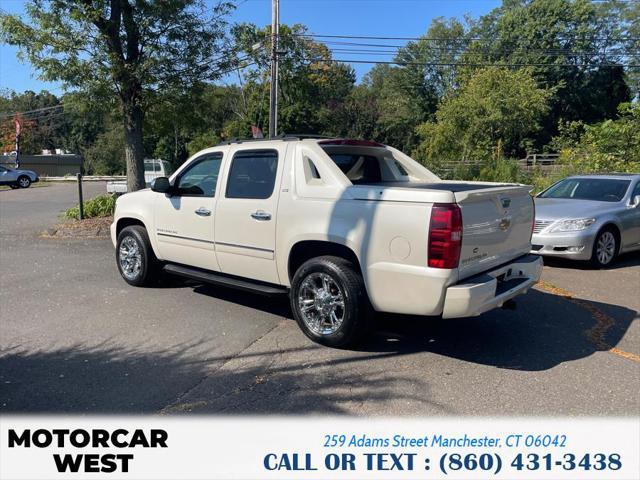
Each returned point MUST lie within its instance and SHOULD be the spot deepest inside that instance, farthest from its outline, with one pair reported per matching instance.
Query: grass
(100, 206)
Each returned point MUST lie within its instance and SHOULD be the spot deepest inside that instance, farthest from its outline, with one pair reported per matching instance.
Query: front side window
(252, 174)
(200, 178)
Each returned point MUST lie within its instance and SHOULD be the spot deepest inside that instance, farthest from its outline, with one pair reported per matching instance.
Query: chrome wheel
(321, 303)
(606, 247)
(130, 258)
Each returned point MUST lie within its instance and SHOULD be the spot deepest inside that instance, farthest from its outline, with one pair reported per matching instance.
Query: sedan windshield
(598, 189)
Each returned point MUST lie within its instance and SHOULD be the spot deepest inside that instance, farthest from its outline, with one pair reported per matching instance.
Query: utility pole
(273, 99)
(18, 132)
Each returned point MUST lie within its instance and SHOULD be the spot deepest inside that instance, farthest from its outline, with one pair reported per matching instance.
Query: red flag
(256, 132)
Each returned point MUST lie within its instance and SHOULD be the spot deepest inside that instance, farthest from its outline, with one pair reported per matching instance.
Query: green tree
(608, 146)
(427, 66)
(398, 111)
(311, 83)
(176, 118)
(490, 115)
(42, 127)
(572, 45)
(631, 19)
(122, 48)
(357, 115)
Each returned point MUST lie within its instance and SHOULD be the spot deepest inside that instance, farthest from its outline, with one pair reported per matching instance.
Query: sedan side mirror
(161, 185)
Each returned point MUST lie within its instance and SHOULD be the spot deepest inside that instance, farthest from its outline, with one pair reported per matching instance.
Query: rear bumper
(490, 290)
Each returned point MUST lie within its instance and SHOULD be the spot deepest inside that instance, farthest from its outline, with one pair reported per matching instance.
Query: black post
(18, 131)
(80, 201)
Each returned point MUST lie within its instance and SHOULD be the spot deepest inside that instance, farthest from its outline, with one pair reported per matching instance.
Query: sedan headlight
(572, 225)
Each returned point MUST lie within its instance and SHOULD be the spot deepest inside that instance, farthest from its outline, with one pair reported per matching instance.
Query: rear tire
(329, 301)
(605, 248)
(136, 261)
(24, 181)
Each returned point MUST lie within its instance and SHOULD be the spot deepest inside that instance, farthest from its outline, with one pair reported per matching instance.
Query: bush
(100, 206)
(608, 146)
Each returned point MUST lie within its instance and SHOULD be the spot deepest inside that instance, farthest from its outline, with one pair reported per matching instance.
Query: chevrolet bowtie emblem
(504, 224)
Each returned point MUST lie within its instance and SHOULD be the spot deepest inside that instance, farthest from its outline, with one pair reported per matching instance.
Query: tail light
(445, 236)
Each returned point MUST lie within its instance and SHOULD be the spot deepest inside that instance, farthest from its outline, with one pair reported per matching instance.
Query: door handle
(261, 215)
(203, 212)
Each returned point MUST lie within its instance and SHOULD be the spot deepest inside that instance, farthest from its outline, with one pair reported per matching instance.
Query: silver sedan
(588, 217)
(17, 178)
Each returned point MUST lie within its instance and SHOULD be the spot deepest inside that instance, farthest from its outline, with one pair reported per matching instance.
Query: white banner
(204, 447)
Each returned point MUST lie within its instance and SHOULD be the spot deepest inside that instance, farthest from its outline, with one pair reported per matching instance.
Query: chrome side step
(216, 278)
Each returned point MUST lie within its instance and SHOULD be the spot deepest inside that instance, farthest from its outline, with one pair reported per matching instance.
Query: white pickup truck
(344, 227)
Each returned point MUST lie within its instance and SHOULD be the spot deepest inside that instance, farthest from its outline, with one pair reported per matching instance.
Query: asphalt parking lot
(75, 338)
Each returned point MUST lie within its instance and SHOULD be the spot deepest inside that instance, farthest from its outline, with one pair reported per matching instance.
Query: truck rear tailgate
(496, 226)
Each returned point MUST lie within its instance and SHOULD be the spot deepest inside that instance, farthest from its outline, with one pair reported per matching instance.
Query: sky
(393, 18)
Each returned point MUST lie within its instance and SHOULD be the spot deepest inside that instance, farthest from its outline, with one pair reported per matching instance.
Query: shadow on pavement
(286, 374)
(543, 332)
(111, 379)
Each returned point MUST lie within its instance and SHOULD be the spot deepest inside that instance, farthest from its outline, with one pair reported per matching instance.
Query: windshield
(598, 189)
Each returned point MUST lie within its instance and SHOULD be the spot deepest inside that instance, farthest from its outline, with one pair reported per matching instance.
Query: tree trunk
(133, 148)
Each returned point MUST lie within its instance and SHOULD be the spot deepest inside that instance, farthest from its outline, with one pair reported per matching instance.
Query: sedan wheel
(605, 248)
(24, 182)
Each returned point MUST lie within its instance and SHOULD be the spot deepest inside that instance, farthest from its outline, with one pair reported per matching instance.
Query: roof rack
(282, 136)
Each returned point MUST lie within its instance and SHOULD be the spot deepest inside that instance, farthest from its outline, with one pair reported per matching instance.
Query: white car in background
(17, 178)
(153, 168)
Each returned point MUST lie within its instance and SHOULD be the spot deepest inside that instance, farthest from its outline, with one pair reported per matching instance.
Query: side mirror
(161, 185)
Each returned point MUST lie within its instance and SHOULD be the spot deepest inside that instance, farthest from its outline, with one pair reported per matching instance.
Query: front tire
(134, 256)
(24, 181)
(329, 301)
(605, 248)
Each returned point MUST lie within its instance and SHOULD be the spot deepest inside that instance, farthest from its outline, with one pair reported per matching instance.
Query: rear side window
(358, 168)
(252, 174)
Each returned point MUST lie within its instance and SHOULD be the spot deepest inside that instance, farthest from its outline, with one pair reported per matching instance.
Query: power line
(463, 64)
(26, 112)
(442, 39)
(487, 53)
